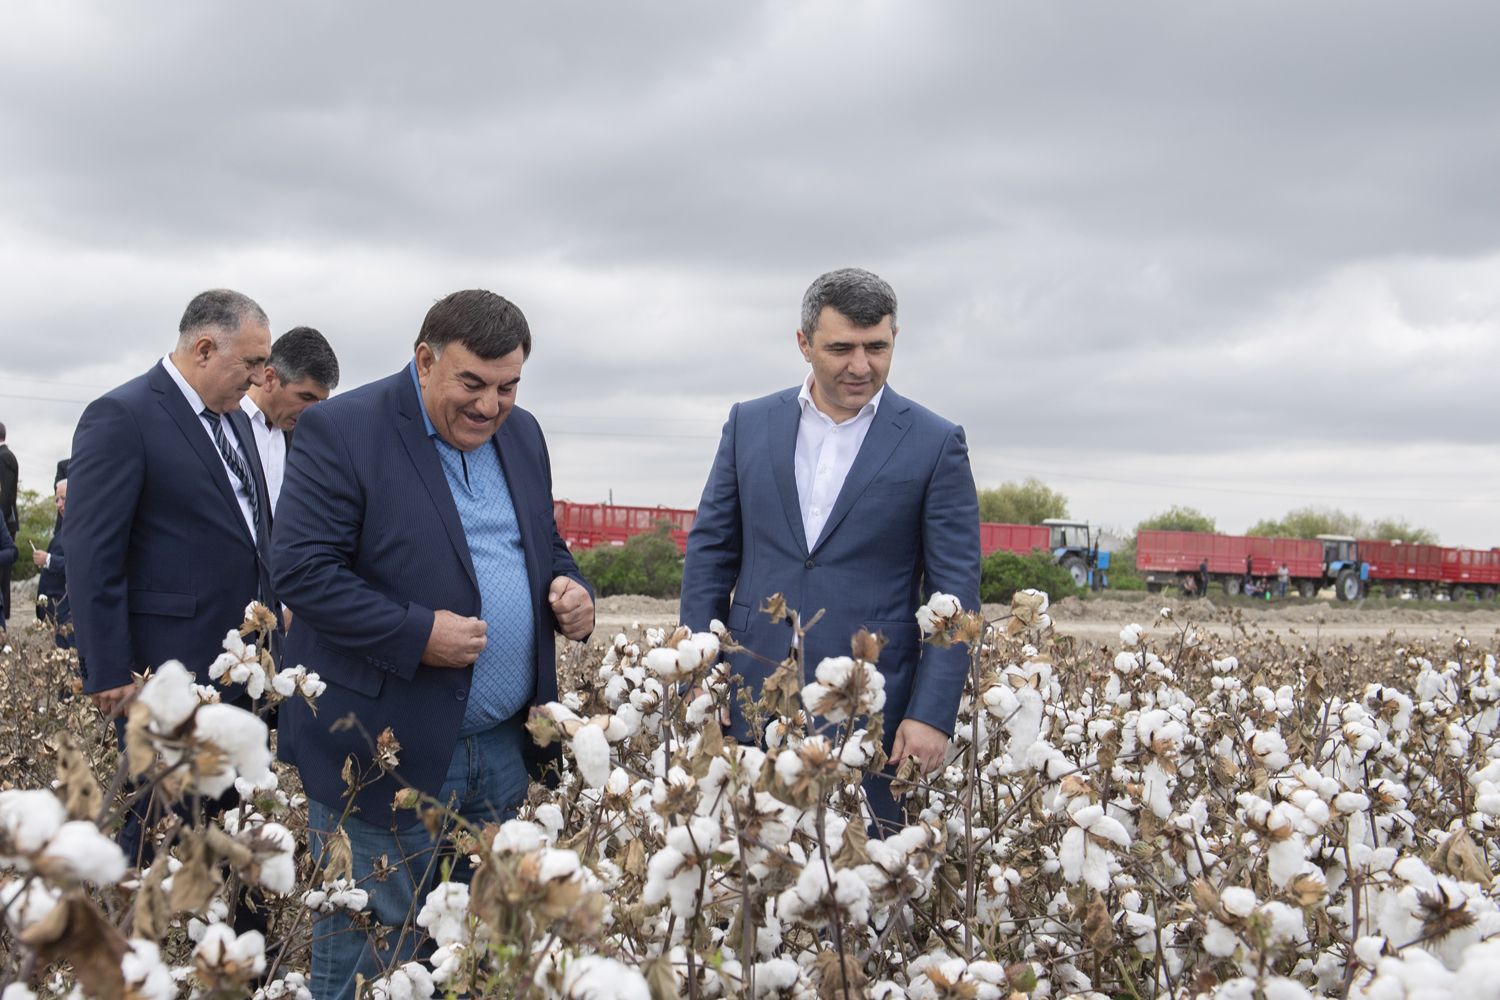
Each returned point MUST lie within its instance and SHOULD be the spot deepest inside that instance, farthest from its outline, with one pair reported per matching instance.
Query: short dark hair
(863, 298)
(488, 324)
(2, 432)
(220, 309)
(303, 353)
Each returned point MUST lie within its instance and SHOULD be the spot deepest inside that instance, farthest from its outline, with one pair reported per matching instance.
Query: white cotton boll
(146, 977)
(557, 864)
(1126, 662)
(220, 947)
(664, 663)
(17, 991)
(29, 818)
(84, 854)
(25, 902)
(591, 752)
(285, 683)
(550, 816)
(169, 694)
(411, 981)
(595, 977)
(1218, 940)
(1131, 635)
(775, 976)
(1285, 859)
(517, 836)
(242, 736)
(278, 871)
(444, 913)
(1237, 901)
(1271, 749)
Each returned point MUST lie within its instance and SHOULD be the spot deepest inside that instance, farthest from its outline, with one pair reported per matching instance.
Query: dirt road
(1100, 619)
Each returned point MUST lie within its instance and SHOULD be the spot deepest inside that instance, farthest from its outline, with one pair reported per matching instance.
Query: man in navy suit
(168, 524)
(52, 576)
(844, 497)
(416, 549)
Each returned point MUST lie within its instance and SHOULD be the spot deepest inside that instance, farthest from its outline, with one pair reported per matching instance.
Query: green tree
(1001, 574)
(1310, 522)
(37, 515)
(1031, 502)
(647, 564)
(1391, 529)
(1177, 518)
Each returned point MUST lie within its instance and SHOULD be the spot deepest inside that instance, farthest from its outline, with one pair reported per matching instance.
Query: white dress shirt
(241, 490)
(271, 443)
(825, 453)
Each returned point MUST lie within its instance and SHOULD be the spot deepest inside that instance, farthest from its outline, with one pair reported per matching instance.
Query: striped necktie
(236, 465)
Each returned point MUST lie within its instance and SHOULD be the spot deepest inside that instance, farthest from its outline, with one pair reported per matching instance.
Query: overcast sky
(1244, 257)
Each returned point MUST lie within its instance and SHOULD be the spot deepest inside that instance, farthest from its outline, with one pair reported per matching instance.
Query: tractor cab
(1342, 567)
(1076, 550)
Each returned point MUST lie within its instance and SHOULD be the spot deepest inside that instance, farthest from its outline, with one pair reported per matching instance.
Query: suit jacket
(161, 562)
(905, 524)
(10, 478)
(8, 549)
(52, 580)
(368, 545)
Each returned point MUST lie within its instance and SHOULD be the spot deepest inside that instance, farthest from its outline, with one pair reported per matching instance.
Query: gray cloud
(1128, 238)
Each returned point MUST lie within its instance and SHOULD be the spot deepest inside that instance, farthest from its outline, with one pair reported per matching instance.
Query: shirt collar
(421, 406)
(254, 413)
(805, 400)
(194, 400)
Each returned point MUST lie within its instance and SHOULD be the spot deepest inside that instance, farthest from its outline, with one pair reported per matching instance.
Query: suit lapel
(423, 454)
(782, 429)
(514, 461)
(890, 425)
(197, 437)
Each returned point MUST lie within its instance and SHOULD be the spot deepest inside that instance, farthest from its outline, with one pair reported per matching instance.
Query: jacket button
(461, 694)
(809, 564)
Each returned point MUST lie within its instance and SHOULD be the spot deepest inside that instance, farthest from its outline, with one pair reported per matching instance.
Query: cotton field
(1169, 814)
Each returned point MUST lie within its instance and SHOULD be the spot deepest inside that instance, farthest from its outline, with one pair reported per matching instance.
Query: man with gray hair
(302, 371)
(168, 517)
(844, 498)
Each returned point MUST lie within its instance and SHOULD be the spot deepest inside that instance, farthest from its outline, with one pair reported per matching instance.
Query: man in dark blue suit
(416, 549)
(168, 524)
(844, 497)
(52, 577)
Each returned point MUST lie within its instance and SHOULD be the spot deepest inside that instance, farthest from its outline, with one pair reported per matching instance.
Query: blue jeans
(486, 783)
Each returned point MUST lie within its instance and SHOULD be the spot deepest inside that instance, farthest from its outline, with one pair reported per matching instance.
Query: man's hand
(39, 556)
(572, 607)
(919, 740)
(455, 641)
(112, 702)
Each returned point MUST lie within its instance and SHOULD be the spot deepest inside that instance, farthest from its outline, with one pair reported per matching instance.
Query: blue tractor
(1076, 549)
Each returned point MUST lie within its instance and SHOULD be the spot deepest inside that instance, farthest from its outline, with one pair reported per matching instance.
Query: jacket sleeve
(106, 476)
(319, 522)
(950, 546)
(712, 564)
(8, 550)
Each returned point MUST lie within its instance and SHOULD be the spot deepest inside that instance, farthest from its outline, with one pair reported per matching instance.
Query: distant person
(1203, 578)
(301, 371)
(52, 583)
(849, 499)
(416, 546)
(7, 556)
(1283, 577)
(10, 478)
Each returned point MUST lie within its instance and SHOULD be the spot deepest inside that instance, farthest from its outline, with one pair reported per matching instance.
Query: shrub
(647, 564)
(38, 514)
(1003, 573)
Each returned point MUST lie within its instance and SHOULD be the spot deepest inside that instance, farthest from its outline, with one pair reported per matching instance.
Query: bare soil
(1100, 618)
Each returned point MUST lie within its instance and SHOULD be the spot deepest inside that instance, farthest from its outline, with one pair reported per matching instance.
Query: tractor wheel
(1424, 591)
(1393, 590)
(1233, 585)
(1487, 594)
(1457, 593)
(1347, 586)
(1153, 588)
(1077, 569)
(1307, 589)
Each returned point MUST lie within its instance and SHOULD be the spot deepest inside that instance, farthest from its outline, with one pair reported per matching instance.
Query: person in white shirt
(301, 370)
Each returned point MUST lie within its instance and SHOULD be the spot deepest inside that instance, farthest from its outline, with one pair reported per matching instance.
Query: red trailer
(1395, 566)
(1017, 538)
(585, 525)
(1176, 559)
(1471, 571)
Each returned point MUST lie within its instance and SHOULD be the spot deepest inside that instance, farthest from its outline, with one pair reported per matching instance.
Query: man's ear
(204, 348)
(805, 344)
(425, 357)
(271, 379)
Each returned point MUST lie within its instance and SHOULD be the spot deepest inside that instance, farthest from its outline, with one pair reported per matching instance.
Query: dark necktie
(236, 465)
